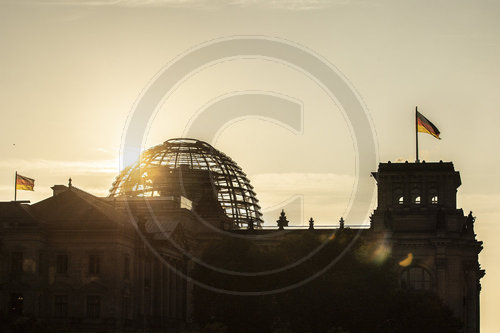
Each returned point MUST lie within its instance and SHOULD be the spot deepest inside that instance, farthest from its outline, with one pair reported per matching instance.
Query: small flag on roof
(24, 183)
(425, 126)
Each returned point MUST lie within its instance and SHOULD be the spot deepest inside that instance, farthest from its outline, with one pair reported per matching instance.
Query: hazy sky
(70, 72)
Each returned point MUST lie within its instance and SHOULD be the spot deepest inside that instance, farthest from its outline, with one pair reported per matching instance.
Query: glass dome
(151, 177)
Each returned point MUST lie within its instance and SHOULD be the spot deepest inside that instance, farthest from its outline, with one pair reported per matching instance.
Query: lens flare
(381, 253)
(407, 261)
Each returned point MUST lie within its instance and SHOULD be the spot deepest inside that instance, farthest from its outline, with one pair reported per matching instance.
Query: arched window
(401, 200)
(416, 278)
(433, 196)
(415, 197)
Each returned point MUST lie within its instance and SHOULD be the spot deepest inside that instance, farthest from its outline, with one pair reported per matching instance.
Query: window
(94, 264)
(398, 196)
(126, 267)
(415, 197)
(433, 195)
(61, 306)
(93, 307)
(61, 264)
(17, 262)
(416, 278)
(16, 303)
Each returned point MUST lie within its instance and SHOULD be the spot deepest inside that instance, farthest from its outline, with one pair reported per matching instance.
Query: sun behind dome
(180, 166)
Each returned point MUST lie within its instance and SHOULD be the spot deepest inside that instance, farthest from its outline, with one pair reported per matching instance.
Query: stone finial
(69, 182)
(341, 221)
(311, 224)
(282, 221)
(469, 223)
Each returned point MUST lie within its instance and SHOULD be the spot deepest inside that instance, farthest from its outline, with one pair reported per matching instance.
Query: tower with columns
(430, 237)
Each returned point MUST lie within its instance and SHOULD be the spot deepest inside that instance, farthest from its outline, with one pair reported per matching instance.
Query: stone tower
(432, 240)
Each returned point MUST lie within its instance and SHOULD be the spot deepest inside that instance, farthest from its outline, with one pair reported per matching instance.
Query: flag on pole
(24, 183)
(425, 126)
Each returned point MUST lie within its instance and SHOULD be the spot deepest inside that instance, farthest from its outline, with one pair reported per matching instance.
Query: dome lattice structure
(149, 177)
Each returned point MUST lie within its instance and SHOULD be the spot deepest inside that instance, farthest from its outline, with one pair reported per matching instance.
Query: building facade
(119, 263)
(75, 261)
(432, 240)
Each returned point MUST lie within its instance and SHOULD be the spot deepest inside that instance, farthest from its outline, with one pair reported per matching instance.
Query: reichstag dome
(178, 164)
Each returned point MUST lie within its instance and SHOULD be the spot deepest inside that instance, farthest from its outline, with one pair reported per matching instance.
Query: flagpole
(15, 187)
(416, 132)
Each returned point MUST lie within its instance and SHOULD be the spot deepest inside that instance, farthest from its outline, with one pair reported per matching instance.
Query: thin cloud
(76, 167)
(203, 4)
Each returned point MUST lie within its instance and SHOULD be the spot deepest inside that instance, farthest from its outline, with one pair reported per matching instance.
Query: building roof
(421, 166)
(162, 230)
(16, 213)
(413, 168)
(75, 207)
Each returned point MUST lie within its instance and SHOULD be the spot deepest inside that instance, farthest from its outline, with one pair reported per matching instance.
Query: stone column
(161, 292)
(173, 291)
(471, 316)
(189, 292)
(441, 268)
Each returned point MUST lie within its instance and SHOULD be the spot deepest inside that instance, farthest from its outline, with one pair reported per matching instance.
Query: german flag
(425, 126)
(24, 183)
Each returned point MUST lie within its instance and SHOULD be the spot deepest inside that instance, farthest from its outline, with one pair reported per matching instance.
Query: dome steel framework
(148, 177)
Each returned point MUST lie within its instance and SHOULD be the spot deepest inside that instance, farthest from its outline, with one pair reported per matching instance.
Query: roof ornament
(341, 221)
(469, 223)
(69, 183)
(282, 221)
(311, 224)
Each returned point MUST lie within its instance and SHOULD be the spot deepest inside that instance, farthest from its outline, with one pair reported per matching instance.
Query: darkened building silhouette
(119, 263)
(432, 239)
(77, 261)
